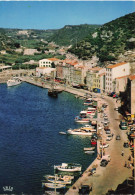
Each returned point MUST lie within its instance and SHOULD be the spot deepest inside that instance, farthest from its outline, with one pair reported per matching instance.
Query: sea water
(30, 143)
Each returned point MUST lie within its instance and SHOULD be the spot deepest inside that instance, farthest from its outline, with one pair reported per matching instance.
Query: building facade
(114, 71)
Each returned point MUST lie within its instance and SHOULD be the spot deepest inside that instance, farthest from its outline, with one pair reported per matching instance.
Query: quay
(105, 178)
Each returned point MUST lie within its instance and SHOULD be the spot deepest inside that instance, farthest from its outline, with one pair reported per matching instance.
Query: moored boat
(52, 93)
(79, 132)
(66, 179)
(89, 152)
(68, 167)
(93, 141)
(89, 149)
(53, 185)
(13, 82)
(82, 120)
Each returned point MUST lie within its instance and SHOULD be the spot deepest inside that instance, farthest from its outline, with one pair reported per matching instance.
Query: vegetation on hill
(71, 34)
(108, 41)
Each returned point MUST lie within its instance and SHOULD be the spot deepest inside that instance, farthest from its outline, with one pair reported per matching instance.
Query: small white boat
(62, 133)
(68, 167)
(89, 127)
(89, 149)
(89, 152)
(53, 185)
(66, 179)
(79, 132)
(13, 82)
(82, 120)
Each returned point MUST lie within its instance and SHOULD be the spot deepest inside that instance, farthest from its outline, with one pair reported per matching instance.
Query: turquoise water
(30, 143)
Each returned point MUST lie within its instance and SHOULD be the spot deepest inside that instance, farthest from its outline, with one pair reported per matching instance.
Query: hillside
(71, 34)
(108, 41)
(7, 43)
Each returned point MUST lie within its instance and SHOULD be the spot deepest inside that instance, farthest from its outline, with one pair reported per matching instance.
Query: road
(114, 173)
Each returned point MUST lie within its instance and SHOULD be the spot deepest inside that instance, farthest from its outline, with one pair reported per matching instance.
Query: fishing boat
(89, 127)
(82, 120)
(13, 82)
(79, 132)
(52, 93)
(68, 167)
(66, 179)
(93, 141)
(88, 102)
(89, 152)
(53, 185)
(89, 149)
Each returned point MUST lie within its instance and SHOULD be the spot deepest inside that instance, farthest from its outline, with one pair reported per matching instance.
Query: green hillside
(71, 34)
(108, 41)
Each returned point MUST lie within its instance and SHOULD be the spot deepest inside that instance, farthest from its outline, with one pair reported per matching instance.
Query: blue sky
(57, 14)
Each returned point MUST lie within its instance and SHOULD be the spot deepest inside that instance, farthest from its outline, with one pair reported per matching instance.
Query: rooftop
(116, 65)
(122, 77)
(132, 77)
(53, 59)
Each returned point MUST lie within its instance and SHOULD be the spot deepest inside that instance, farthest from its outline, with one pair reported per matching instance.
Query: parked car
(103, 162)
(109, 138)
(125, 145)
(106, 157)
(104, 145)
(85, 189)
(108, 131)
(118, 137)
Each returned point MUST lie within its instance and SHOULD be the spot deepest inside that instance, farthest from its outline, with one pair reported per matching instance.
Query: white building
(114, 71)
(45, 63)
(46, 72)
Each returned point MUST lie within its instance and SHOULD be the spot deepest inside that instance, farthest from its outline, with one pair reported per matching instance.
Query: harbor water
(30, 143)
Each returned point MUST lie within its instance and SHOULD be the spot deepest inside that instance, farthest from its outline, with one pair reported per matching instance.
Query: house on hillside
(45, 63)
(114, 71)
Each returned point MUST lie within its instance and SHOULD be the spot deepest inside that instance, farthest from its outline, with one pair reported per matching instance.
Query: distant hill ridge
(109, 40)
(70, 34)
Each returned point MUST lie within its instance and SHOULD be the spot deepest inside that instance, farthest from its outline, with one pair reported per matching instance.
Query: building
(46, 72)
(132, 92)
(114, 71)
(45, 63)
(121, 84)
(95, 79)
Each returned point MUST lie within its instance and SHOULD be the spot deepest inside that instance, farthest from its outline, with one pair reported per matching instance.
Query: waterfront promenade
(114, 173)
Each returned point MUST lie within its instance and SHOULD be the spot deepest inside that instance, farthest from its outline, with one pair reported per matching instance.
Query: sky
(57, 14)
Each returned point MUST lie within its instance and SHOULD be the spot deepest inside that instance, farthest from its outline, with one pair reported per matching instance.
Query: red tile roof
(102, 74)
(122, 77)
(53, 59)
(116, 65)
(132, 77)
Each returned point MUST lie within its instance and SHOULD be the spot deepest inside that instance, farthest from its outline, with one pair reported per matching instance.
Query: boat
(89, 127)
(88, 102)
(66, 179)
(62, 133)
(13, 82)
(52, 93)
(89, 152)
(93, 141)
(53, 185)
(82, 120)
(79, 132)
(68, 167)
(89, 149)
